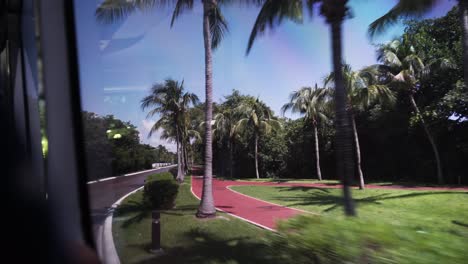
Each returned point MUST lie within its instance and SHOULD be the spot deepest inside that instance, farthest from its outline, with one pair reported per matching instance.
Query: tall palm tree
(416, 8)
(260, 118)
(225, 130)
(188, 134)
(214, 28)
(174, 134)
(272, 13)
(310, 102)
(364, 89)
(171, 103)
(405, 69)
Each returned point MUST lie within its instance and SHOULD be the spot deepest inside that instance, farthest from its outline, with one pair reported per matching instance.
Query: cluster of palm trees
(272, 13)
(316, 104)
(171, 103)
(401, 68)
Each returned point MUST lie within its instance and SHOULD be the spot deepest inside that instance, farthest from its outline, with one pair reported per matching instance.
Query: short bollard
(156, 233)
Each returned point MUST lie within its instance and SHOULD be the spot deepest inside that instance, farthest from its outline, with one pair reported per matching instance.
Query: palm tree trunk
(256, 156)
(358, 153)
(207, 208)
(231, 160)
(345, 165)
(463, 6)
(186, 161)
(317, 152)
(180, 174)
(440, 177)
(182, 156)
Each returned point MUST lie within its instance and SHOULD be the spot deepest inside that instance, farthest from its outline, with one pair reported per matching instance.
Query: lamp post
(156, 233)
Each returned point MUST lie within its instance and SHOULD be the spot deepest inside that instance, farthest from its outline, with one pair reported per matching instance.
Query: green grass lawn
(186, 239)
(433, 214)
(284, 180)
(393, 226)
(425, 210)
(335, 182)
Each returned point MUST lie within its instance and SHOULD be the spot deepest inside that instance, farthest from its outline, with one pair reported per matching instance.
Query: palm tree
(188, 134)
(311, 103)
(364, 89)
(170, 102)
(272, 13)
(214, 28)
(404, 69)
(225, 130)
(172, 133)
(260, 118)
(416, 8)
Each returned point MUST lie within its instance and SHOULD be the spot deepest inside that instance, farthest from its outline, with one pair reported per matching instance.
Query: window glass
(266, 110)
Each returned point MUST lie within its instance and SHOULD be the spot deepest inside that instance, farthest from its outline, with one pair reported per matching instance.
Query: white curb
(105, 241)
(129, 174)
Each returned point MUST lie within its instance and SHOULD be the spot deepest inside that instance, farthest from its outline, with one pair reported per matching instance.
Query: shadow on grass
(181, 210)
(304, 189)
(416, 184)
(324, 197)
(137, 210)
(459, 223)
(209, 248)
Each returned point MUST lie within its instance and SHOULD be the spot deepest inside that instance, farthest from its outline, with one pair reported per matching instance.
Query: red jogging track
(265, 214)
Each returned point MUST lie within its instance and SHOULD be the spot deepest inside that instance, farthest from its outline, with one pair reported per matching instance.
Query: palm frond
(404, 9)
(272, 14)
(439, 64)
(169, 101)
(286, 107)
(180, 7)
(111, 11)
(275, 124)
(389, 58)
(218, 26)
(241, 125)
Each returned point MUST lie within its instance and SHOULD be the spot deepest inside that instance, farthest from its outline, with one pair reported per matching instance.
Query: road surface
(103, 194)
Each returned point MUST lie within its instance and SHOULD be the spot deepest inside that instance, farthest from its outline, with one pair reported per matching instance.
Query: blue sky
(119, 62)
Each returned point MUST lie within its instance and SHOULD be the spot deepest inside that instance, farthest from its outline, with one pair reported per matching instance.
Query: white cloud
(155, 139)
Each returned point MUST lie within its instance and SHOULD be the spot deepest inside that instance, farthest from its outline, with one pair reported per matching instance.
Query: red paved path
(266, 214)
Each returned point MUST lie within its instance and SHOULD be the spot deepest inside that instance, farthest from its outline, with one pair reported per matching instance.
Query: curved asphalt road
(103, 194)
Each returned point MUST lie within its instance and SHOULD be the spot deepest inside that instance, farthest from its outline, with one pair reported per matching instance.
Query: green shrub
(160, 176)
(173, 171)
(160, 191)
(322, 240)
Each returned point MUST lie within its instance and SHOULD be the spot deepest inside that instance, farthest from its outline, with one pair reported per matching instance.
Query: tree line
(113, 147)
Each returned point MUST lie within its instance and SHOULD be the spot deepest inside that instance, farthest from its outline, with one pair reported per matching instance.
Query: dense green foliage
(160, 177)
(393, 144)
(113, 147)
(160, 191)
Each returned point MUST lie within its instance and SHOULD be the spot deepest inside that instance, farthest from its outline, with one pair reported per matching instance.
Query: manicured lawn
(435, 210)
(336, 182)
(434, 214)
(394, 226)
(185, 238)
(283, 180)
